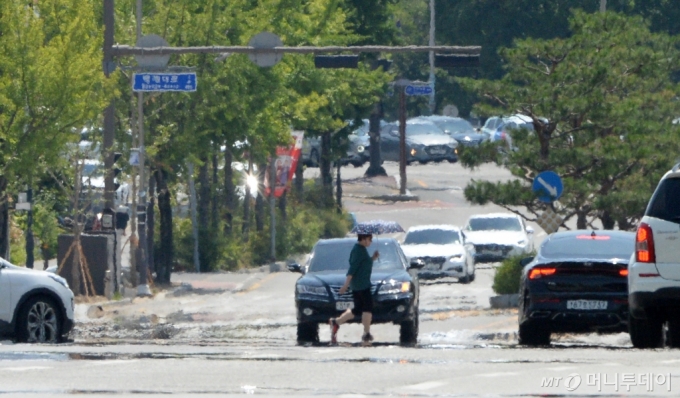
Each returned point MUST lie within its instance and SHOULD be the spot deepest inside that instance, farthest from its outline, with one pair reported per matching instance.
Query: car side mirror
(523, 262)
(530, 229)
(416, 264)
(294, 267)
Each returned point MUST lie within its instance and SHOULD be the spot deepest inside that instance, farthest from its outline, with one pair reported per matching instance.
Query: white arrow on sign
(552, 190)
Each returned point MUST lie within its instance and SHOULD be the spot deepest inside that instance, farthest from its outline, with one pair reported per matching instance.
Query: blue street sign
(418, 90)
(164, 82)
(548, 186)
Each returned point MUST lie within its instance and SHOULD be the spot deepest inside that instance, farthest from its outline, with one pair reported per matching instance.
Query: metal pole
(432, 77)
(603, 5)
(402, 140)
(143, 286)
(29, 229)
(194, 222)
(272, 204)
(110, 111)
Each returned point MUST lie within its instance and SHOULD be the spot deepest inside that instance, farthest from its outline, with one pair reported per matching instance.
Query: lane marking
(257, 285)
(422, 184)
(428, 385)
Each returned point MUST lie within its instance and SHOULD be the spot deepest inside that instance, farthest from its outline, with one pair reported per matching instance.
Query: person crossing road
(359, 281)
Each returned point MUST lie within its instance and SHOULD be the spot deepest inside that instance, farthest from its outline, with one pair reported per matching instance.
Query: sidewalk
(376, 188)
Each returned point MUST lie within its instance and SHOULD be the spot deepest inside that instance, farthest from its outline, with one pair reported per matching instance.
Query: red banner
(287, 159)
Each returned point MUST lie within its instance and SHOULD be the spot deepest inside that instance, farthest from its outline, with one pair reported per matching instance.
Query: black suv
(394, 286)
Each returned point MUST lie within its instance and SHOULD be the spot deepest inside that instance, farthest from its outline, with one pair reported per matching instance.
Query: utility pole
(272, 204)
(603, 5)
(143, 286)
(432, 77)
(402, 139)
(110, 112)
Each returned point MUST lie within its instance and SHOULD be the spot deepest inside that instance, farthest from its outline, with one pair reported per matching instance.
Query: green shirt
(360, 267)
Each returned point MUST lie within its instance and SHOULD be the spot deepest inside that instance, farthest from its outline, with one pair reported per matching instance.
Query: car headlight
(360, 148)
(456, 258)
(394, 287)
(315, 290)
(59, 280)
(413, 151)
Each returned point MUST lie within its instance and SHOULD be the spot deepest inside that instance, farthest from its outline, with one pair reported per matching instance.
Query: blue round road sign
(548, 186)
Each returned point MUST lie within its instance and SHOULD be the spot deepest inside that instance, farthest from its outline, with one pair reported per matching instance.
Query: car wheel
(645, 333)
(472, 277)
(408, 331)
(452, 160)
(422, 161)
(39, 321)
(534, 334)
(307, 332)
(465, 279)
(314, 158)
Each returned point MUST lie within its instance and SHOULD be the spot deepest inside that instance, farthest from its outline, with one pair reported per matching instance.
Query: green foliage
(45, 225)
(602, 103)
(507, 277)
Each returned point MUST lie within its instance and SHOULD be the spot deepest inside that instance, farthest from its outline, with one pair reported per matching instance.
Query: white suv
(654, 269)
(35, 306)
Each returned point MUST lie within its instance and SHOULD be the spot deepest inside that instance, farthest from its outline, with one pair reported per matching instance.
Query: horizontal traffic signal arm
(125, 50)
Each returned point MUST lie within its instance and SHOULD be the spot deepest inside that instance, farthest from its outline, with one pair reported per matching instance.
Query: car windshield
(334, 256)
(494, 224)
(432, 236)
(456, 126)
(589, 246)
(92, 170)
(422, 128)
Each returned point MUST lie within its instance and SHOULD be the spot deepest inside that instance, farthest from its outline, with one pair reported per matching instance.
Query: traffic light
(385, 64)
(336, 61)
(456, 61)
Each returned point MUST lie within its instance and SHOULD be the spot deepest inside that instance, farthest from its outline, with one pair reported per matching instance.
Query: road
(234, 333)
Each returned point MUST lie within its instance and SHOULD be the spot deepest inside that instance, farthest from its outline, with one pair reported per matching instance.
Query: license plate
(437, 151)
(432, 266)
(344, 305)
(493, 252)
(586, 305)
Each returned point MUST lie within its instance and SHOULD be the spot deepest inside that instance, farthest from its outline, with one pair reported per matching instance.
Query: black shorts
(363, 301)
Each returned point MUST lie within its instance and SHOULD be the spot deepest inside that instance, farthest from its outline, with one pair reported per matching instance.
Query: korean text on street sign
(418, 90)
(547, 186)
(164, 82)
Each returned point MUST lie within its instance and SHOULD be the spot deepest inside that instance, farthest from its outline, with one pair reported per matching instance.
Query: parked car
(459, 129)
(490, 126)
(359, 152)
(311, 151)
(444, 251)
(35, 306)
(394, 286)
(425, 142)
(514, 122)
(498, 236)
(654, 270)
(577, 283)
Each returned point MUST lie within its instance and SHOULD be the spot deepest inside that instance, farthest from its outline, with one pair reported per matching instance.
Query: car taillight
(536, 273)
(644, 244)
(623, 272)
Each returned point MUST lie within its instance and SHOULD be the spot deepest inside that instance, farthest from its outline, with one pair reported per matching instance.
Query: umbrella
(377, 227)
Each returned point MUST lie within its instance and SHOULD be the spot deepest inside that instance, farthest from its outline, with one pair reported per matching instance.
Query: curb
(504, 301)
(396, 198)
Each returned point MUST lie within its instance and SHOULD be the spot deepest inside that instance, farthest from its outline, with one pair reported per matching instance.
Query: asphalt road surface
(234, 333)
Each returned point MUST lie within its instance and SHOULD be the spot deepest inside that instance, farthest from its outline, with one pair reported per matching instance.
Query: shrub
(508, 275)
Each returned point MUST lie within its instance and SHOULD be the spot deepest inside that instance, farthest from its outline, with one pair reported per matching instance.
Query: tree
(495, 24)
(50, 85)
(602, 103)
